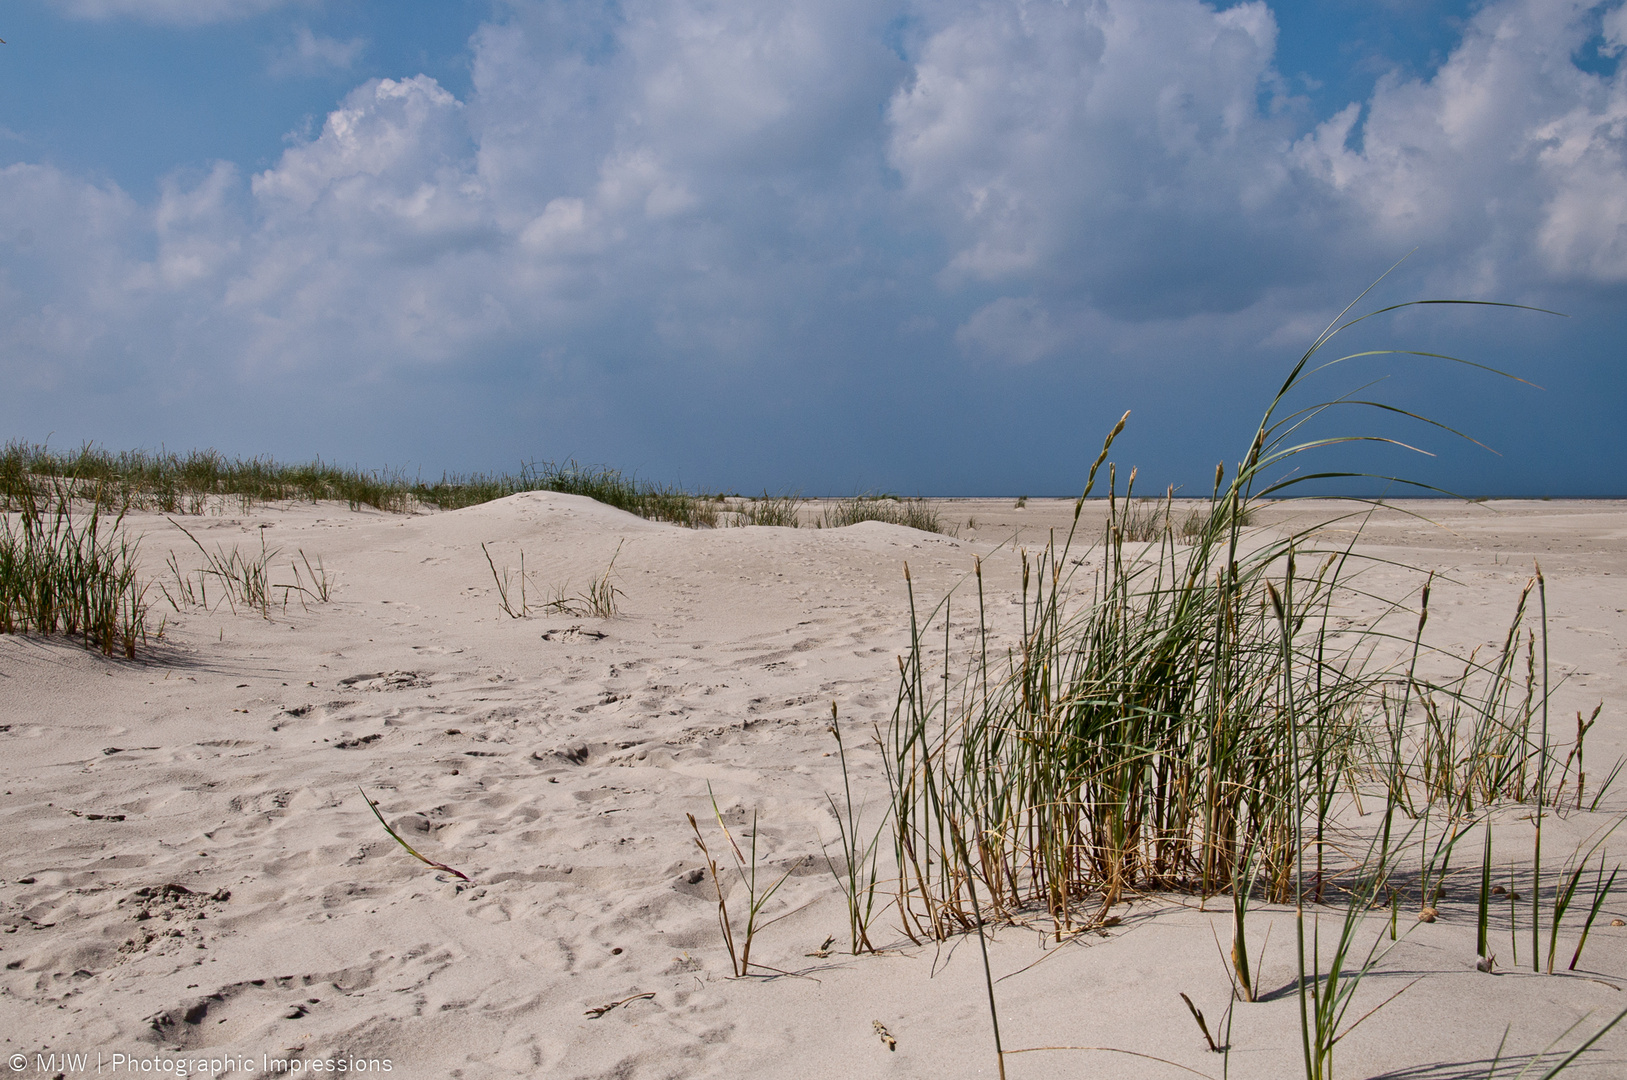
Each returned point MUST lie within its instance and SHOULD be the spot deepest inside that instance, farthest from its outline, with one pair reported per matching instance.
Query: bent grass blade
(373, 806)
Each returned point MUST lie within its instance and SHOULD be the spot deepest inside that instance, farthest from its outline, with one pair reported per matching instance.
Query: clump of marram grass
(1146, 520)
(1138, 735)
(1132, 740)
(778, 510)
(911, 513)
(69, 571)
(1184, 716)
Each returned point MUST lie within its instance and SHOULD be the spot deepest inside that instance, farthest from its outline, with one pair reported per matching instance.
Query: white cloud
(377, 231)
(68, 288)
(1507, 162)
(313, 54)
(1115, 150)
(199, 229)
(384, 150)
(1614, 28)
(1141, 157)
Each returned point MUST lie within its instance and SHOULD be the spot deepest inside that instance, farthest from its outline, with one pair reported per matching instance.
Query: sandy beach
(190, 870)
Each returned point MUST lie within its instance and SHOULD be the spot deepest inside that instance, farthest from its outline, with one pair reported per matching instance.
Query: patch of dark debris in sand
(573, 633)
(386, 680)
(287, 997)
(576, 753)
(97, 817)
(607, 698)
(360, 740)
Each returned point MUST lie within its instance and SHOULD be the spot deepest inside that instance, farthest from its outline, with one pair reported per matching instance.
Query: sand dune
(189, 868)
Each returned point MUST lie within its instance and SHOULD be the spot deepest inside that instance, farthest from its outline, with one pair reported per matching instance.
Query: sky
(832, 246)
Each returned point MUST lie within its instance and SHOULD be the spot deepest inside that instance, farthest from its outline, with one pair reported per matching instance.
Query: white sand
(555, 769)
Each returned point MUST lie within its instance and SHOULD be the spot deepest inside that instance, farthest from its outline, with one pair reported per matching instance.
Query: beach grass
(739, 933)
(600, 601)
(70, 571)
(1186, 706)
(784, 511)
(1175, 705)
(911, 513)
(190, 483)
(205, 480)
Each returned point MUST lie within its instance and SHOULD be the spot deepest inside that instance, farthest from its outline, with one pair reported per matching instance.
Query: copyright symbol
(19, 1062)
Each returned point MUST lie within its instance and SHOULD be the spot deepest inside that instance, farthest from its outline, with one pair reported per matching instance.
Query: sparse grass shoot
(599, 602)
(241, 579)
(373, 806)
(757, 894)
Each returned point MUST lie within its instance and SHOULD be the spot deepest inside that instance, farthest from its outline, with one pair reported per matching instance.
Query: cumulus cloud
(377, 231)
(1146, 161)
(734, 186)
(1507, 162)
(1116, 152)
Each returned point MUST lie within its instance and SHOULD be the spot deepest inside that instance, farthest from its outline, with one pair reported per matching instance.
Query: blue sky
(835, 245)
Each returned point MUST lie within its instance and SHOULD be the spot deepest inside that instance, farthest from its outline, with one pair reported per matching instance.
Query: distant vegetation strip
(189, 483)
(199, 480)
